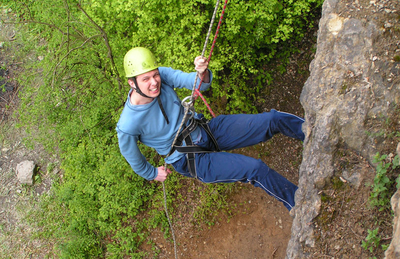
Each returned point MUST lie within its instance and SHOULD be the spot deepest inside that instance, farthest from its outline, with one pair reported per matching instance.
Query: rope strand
(169, 220)
(195, 94)
(205, 47)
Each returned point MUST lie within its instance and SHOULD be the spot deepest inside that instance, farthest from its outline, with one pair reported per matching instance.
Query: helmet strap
(137, 89)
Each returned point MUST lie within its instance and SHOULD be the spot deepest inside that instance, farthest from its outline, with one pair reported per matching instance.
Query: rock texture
(394, 248)
(25, 171)
(354, 83)
(393, 251)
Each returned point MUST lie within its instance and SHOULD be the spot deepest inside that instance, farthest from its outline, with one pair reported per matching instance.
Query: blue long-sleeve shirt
(146, 123)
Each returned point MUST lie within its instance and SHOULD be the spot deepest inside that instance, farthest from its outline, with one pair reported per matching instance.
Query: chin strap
(137, 89)
(162, 108)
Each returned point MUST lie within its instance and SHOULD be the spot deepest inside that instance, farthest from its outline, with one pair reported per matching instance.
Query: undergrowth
(385, 183)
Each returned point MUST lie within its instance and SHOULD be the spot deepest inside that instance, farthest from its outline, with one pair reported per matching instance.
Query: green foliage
(372, 240)
(213, 199)
(73, 97)
(98, 197)
(382, 185)
(252, 33)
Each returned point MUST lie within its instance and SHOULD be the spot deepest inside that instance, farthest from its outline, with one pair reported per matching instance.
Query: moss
(330, 198)
(337, 184)
(343, 88)
(324, 197)
(396, 58)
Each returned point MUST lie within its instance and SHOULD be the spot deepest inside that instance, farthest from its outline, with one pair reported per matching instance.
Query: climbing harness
(188, 104)
(190, 149)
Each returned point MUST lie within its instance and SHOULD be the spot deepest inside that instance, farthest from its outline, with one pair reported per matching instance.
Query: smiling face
(150, 85)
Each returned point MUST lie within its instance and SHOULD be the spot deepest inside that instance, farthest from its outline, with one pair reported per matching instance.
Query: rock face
(394, 248)
(25, 171)
(354, 83)
(393, 251)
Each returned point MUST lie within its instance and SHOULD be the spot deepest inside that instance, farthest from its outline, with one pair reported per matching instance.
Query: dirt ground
(259, 227)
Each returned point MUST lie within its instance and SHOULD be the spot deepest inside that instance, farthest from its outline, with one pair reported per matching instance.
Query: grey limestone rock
(345, 91)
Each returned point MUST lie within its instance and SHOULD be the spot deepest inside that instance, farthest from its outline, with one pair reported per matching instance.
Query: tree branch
(110, 55)
(69, 52)
(67, 7)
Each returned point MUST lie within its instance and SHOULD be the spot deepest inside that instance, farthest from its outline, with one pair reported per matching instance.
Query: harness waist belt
(191, 149)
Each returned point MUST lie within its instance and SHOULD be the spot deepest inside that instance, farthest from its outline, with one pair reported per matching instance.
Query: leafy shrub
(372, 240)
(382, 187)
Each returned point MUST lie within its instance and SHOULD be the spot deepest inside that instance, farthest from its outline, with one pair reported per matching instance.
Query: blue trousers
(242, 130)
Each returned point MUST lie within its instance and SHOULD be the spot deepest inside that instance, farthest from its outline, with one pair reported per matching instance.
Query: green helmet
(138, 61)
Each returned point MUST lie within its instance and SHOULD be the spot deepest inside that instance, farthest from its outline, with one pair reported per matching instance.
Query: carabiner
(189, 106)
(185, 103)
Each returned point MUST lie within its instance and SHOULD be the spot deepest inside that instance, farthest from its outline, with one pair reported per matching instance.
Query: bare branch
(68, 14)
(69, 52)
(37, 22)
(110, 55)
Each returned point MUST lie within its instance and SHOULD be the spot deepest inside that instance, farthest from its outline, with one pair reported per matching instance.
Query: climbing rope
(169, 220)
(196, 92)
(189, 106)
(205, 46)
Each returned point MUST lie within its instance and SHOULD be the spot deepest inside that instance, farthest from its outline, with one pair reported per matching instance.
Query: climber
(153, 114)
